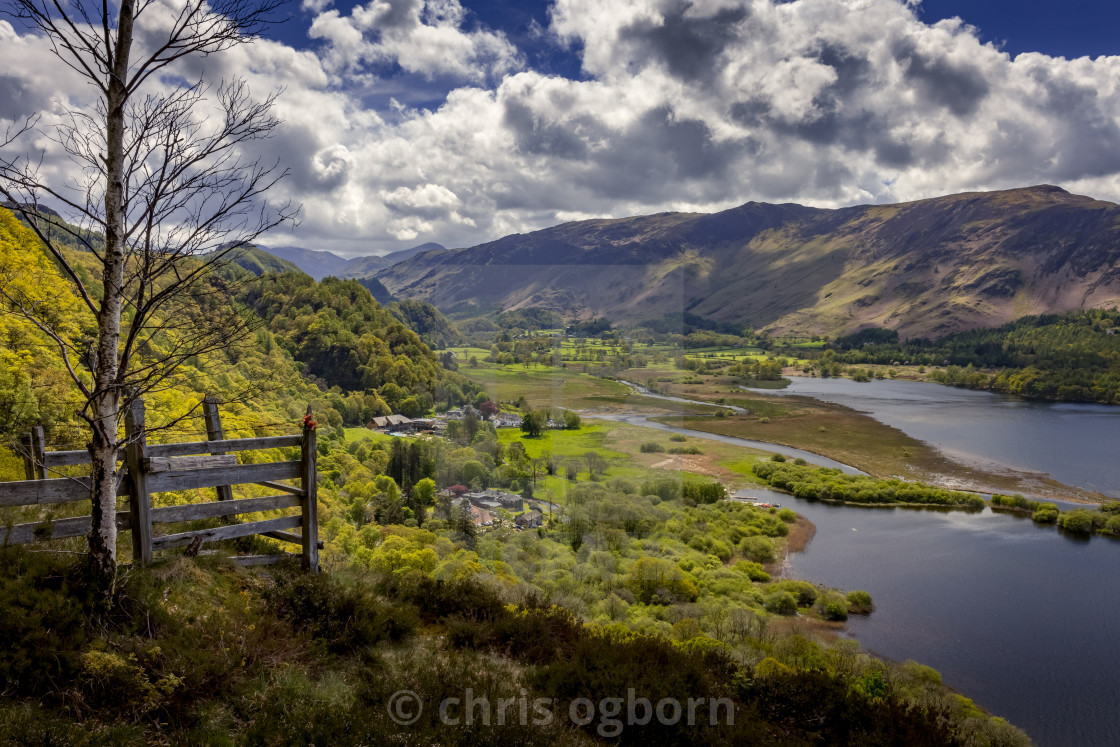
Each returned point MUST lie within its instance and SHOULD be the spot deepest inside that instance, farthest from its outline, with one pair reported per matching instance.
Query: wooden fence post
(139, 502)
(214, 433)
(28, 450)
(308, 503)
(35, 454)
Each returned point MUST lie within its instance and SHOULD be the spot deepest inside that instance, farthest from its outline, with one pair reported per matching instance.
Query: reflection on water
(1074, 443)
(1014, 615)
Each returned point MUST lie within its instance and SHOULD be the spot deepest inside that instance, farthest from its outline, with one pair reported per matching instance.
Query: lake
(1074, 443)
(1015, 616)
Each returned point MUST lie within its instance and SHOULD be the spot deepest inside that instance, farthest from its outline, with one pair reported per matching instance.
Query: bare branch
(162, 194)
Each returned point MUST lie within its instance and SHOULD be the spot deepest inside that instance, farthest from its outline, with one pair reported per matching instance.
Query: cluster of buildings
(399, 425)
(483, 504)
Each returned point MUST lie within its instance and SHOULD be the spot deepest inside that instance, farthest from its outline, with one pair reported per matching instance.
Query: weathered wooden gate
(155, 468)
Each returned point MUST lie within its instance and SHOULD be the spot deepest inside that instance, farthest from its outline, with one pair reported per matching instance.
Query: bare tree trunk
(105, 404)
(169, 196)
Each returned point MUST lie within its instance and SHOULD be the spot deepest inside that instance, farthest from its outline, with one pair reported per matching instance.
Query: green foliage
(690, 449)
(260, 262)
(531, 425)
(44, 622)
(25, 723)
(1047, 513)
(530, 320)
(426, 320)
(1079, 521)
(1016, 502)
(817, 483)
(803, 591)
(781, 602)
(859, 602)
(666, 488)
(346, 338)
(832, 606)
(1074, 356)
(753, 571)
(344, 618)
(759, 549)
(651, 447)
(654, 580)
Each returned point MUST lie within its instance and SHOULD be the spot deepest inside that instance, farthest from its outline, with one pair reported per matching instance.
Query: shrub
(780, 603)
(27, 723)
(753, 571)
(679, 438)
(1077, 522)
(803, 591)
(758, 549)
(437, 599)
(665, 488)
(707, 491)
(859, 603)
(1111, 527)
(43, 623)
(690, 449)
(1016, 502)
(833, 606)
(651, 447)
(1047, 513)
(777, 458)
(343, 617)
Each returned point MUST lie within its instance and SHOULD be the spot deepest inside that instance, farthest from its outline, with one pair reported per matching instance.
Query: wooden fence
(155, 468)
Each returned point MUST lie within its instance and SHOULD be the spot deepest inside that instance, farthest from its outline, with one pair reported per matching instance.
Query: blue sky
(1071, 28)
(461, 121)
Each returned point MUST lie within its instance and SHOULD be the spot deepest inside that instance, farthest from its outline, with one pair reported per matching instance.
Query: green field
(564, 388)
(360, 433)
(620, 445)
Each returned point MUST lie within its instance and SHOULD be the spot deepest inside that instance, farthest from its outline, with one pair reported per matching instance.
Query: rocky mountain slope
(924, 268)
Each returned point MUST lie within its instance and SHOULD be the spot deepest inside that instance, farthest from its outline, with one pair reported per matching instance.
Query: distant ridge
(320, 264)
(261, 262)
(317, 264)
(362, 267)
(924, 268)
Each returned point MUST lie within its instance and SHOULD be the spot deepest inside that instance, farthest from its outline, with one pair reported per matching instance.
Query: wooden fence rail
(156, 468)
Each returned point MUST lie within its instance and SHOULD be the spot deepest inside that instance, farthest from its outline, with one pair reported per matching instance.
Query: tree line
(1072, 357)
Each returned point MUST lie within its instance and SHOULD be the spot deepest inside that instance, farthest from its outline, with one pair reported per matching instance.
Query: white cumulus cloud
(411, 122)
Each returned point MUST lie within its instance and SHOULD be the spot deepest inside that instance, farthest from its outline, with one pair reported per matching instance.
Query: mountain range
(924, 268)
(320, 264)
